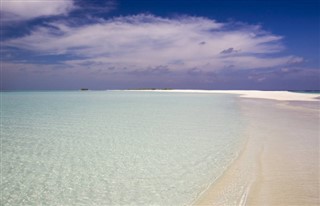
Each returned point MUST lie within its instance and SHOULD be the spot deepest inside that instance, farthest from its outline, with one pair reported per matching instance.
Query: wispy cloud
(19, 10)
(142, 42)
(229, 51)
(97, 7)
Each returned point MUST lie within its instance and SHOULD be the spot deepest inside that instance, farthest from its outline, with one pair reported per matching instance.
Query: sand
(279, 164)
(274, 95)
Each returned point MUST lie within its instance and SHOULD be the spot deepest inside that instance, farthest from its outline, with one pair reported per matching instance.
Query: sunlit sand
(275, 95)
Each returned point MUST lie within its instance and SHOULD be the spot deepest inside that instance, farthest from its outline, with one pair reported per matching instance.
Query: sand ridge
(272, 95)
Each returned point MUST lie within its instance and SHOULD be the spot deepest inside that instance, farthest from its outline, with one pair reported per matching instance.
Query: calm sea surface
(115, 147)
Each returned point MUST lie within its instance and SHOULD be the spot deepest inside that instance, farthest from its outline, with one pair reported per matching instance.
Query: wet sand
(279, 164)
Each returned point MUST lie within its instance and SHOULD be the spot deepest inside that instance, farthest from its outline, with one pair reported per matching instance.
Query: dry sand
(280, 162)
(274, 95)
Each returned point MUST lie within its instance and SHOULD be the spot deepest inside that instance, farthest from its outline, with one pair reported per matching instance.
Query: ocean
(115, 147)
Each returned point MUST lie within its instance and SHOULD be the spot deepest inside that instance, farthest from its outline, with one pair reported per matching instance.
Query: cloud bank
(147, 51)
(145, 42)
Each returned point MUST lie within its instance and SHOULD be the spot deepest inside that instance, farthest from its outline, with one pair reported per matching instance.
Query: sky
(120, 44)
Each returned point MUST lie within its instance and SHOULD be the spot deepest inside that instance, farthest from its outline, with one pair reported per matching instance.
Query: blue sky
(68, 44)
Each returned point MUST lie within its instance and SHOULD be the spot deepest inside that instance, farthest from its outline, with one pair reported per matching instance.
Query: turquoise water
(115, 147)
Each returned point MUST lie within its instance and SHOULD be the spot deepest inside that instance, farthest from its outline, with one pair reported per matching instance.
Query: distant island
(84, 89)
(305, 91)
(150, 89)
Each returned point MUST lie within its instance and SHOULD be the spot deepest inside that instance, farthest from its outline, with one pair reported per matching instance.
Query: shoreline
(279, 164)
(221, 192)
(282, 141)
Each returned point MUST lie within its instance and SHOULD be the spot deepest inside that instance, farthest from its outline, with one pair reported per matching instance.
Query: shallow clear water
(115, 147)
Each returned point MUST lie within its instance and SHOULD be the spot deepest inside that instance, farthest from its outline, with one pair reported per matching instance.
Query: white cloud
(146, 41)
(17, 10)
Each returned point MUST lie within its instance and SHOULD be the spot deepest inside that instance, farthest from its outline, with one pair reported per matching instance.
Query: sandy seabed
(279, 164)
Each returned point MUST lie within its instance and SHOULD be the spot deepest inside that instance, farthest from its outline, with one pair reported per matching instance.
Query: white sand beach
(280, 162)
(274, 95)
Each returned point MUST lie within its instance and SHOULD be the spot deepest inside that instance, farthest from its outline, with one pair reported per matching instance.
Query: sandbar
(274, 95)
